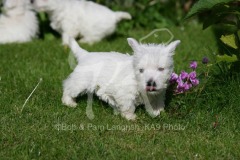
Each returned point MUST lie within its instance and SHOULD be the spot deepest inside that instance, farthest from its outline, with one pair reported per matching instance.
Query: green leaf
(203, 5)
(49, 36)
(227, 58)
(229, 40)
(42, 16)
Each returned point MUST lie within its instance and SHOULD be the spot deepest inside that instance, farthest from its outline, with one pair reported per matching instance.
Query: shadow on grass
(105, 105)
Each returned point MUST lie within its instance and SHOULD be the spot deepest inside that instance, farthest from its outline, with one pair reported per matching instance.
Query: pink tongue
(150, 88)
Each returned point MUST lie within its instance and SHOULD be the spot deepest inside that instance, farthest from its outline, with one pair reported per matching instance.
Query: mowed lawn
(202, 127)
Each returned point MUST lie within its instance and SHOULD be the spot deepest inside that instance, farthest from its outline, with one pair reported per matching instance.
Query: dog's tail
(76, 49)
(122, 15)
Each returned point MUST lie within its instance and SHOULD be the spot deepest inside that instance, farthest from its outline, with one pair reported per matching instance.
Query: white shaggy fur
(74, 18)
(122, 80)
(18, 23)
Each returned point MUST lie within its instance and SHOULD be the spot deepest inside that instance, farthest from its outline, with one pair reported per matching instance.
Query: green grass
(46, 129)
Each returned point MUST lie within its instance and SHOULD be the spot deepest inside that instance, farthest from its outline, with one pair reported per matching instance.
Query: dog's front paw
(70, 104)
(156, 113)
(68, 101)
(129, 116)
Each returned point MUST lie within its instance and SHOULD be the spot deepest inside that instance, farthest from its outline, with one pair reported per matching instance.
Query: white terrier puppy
(73, 18)
(18, 23)
(122, 80)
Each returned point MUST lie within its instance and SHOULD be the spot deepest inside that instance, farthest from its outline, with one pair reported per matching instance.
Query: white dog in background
(122, 80)
(18, 23)
(74, 18)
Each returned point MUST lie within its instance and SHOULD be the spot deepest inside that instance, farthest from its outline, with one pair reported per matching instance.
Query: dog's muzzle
(151, 86)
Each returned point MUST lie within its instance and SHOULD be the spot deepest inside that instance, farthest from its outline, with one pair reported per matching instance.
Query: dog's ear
(133, 43)
(172, 46)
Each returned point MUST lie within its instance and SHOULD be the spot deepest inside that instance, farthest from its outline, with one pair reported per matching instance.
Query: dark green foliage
(203, 5)
(147, 13)
(223, 15)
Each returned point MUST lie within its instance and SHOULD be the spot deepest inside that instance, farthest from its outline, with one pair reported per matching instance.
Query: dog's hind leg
(70, 92)
(68, 100)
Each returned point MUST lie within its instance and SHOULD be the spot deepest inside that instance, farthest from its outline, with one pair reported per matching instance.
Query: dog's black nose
(151, 83)
(32, 1)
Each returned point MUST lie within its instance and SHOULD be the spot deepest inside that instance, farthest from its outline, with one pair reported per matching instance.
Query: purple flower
(179, 80)
(180, 88)
(193, 65)
(184, 75)
(205, 60)
(187, 86)
(185, 81)
(173, 78)
(192, 75)
(194, 82)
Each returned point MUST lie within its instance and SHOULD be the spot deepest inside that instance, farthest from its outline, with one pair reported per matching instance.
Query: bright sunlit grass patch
(206, 127)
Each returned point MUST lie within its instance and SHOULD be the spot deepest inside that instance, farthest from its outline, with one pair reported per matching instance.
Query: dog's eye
(160, 69)
(141, 70)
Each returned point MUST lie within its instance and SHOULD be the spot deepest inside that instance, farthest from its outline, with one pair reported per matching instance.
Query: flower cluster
(184, 80)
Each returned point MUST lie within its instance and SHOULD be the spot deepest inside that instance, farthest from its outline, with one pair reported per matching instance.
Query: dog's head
(42, 5)
(153, 64)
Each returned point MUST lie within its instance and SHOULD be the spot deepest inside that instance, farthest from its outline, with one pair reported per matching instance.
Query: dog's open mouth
(151, 89)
